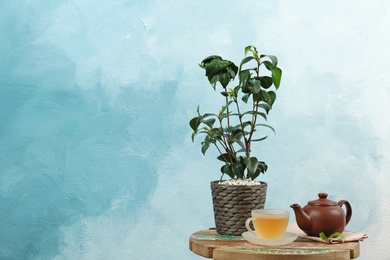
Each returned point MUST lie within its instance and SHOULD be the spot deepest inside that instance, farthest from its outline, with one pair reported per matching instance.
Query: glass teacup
(268, 223)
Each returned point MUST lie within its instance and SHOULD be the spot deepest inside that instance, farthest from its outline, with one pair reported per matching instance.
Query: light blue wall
(96, 160)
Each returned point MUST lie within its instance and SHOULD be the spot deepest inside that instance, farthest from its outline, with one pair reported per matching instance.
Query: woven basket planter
(233, 205)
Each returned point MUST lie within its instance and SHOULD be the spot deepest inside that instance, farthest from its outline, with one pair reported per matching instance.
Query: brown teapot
(322, 215)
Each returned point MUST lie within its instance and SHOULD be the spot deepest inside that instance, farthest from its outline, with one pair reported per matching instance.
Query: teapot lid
(322, 201)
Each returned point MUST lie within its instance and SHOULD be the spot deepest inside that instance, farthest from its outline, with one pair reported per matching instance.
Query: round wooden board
(209, 244)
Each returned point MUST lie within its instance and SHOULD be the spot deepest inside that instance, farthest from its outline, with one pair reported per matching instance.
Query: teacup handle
(249, 228)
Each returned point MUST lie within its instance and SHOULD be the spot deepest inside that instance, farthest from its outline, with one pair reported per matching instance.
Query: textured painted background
(96, 160)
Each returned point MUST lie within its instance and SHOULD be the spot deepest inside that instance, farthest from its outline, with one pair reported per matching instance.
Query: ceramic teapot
(322, 215)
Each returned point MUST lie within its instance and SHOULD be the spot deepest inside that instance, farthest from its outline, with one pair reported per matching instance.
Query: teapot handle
(349, 210)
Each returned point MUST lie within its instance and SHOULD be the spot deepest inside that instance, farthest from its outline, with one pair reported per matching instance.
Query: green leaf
(226, 169)
(262, 166)
(232, 128)
(256, 87)
(244, 76)
(268, 65)
(251, 164)
(338, 235)
(265, 106)
(209, 122)
(194, 123)
(272, 98)
(224, 79)
(274, 59)
(246, 60)
(246, 123)
(193, 136)
(203, 131)
(252, 49)
(226, 157)
(334, 235)
(266, 81)
(208, 115)
(276, 76)
(323, 236)
(233, 170)
(260, 139)
(245, 98)
(219, 70)
(255, 113)
(267, 97)
(207, 60)
(246, 88)
(236, 135)
(238, 170)
(268, 126)
(213, 134)
(248, 48)
(241, 144)
(217, 66)
(205, 147)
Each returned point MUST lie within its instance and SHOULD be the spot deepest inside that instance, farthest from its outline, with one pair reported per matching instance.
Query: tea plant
(232, 130)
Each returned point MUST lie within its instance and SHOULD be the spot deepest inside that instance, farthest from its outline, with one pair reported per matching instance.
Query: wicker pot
(233, 205)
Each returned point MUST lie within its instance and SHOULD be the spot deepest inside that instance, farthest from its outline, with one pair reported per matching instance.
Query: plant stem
(228, 123)
(255, 109)
(247, 152)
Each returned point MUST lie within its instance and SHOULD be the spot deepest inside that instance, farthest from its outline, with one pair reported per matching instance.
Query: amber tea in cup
(268, 223)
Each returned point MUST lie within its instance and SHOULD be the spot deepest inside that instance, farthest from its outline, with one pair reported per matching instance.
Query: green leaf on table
(334, 235)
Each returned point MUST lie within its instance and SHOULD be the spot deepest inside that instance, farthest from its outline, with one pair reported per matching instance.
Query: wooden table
(209, 244)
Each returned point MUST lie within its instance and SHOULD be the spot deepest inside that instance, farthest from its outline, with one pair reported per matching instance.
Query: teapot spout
(304, 221)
